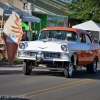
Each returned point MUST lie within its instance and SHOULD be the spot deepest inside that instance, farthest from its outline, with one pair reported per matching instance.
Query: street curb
(18, 65)
(13, 67)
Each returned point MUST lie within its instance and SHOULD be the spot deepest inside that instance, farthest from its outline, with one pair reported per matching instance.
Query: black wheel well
(72, 58)
(25, 60)
(96, 57)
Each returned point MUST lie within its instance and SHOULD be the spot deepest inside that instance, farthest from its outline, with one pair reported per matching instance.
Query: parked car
(60, 48)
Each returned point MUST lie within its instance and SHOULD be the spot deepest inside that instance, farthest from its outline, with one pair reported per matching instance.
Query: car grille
(51, 55)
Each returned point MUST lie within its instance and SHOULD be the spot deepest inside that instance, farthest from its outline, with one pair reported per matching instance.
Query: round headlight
(22, 45)
(64, 47)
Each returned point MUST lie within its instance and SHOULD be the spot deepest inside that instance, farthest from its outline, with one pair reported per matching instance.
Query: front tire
(92, 68)
(26, 68)
(68, 70)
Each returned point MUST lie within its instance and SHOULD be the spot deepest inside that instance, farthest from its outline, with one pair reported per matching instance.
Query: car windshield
(58, 35)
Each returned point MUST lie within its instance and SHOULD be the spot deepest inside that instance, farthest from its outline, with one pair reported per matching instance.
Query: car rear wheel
(68, 70)
(27, 69)
(92, 68)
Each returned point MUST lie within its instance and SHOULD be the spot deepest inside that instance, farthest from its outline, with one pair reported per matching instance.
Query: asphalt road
(45, 85)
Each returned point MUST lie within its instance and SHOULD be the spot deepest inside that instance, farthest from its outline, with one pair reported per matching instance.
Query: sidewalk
(18, 67)
(13, 67)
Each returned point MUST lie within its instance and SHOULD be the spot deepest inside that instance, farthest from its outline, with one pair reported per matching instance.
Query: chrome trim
(51, 55)
(47, 59)
(45, 56)
(27, 58)
(39, 56)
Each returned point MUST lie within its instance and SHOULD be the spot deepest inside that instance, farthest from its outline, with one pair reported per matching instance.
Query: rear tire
(68, 70)
(26, 68)
(92, 68)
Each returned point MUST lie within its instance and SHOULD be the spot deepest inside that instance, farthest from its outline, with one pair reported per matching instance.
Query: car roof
(65, 28)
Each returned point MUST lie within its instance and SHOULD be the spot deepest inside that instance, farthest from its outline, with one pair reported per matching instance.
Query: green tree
(84, 10)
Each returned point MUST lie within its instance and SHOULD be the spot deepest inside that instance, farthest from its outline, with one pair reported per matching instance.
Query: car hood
(44, 45)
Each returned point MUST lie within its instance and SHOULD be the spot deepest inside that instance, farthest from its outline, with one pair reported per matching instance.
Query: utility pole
(30, 8)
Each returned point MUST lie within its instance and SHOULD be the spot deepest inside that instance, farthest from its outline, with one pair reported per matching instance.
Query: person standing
(33, 36)
(3, 49)
(25, 37)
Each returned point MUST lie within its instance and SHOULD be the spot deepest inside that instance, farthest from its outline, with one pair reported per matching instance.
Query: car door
(84, 48)
(94, 49)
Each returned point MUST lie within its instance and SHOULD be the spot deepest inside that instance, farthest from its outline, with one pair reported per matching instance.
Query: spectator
(33, 31)
(25, 37)
(3, 49)
(33, 36)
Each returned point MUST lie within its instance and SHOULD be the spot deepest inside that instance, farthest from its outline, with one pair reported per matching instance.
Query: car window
(72, 37)
(82, 38)
(44, 35)
(59, 35)
(88, 39)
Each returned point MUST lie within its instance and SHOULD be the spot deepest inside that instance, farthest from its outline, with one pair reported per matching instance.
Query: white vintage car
(60, 48)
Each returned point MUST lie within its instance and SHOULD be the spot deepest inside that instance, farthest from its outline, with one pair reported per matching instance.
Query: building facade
(15, 3)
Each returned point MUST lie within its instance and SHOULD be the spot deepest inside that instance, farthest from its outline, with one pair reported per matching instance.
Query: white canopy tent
(89, 25)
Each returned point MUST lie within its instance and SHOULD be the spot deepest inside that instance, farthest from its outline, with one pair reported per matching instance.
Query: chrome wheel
(95, 66)
(68, 71)
(26, 68)
(92, 68)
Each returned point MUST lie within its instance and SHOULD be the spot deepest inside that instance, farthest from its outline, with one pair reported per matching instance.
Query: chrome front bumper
(44, 56)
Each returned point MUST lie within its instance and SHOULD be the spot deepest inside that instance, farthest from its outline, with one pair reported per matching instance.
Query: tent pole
(29, 24)
(34, 26)
(40, 25)
(1, 26)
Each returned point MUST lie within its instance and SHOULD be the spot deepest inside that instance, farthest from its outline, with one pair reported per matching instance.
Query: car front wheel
(68, 70)
(27, 68)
